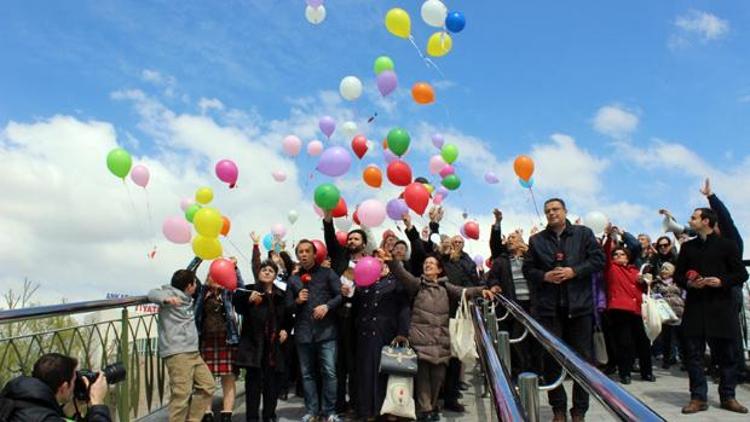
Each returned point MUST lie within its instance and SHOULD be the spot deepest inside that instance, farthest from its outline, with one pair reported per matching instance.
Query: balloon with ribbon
(398, 22)
(528, 184)
(227, 172)
(524, 167)
(315, 15)
(398, 141)
(292, 217)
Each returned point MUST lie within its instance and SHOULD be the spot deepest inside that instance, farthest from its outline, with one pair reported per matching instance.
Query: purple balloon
(396, 208)
(314, 3)
(335, 161)
(438, 140)
(479, 260)
(387, 82)
(491, 178)
(389, 156)
(327, 125)
(463, 232)
(442, 191)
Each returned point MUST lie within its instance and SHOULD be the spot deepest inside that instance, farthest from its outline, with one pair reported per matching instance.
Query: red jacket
(624, 291)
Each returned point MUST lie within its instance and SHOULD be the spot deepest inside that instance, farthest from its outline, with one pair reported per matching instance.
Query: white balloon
(315, 15)
(434, 13)
(350, 88)
(343, 224)
(292, 216)
(349, 128)
(596, 221)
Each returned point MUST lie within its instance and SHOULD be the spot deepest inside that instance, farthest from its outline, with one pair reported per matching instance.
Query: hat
(388, 233)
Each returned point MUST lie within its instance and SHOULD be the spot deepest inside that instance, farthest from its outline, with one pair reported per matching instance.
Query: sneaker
(454, 407)
(333, 418)
(309, 418)
(435, 416)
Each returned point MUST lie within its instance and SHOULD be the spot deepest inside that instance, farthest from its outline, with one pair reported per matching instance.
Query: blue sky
(626, 105)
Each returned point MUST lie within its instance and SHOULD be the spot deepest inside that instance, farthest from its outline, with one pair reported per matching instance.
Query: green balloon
(398, 141)
(383, 63)
(327, 196)
(451, 182)
(190, 212)
(449, 153)
(119, 162)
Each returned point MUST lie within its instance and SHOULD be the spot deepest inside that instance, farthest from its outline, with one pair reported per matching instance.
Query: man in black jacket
(558, 266)
(41, 396)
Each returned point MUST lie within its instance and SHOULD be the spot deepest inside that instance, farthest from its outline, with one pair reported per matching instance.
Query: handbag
(651, 318)
(399, 397)
(600, 346)
(398, 359)
(461, 330)
(666, 313)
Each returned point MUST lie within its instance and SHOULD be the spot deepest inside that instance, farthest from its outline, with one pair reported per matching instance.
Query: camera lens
(115, 372)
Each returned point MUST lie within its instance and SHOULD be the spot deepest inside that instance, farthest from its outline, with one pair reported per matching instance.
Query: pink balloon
(292, 145)
(318, 211)
(367, 271)
(278, 175)
(223, 272)
(278, 230)
(140, 175)
(176, 229)
(227, 172)
(185, 203)
(371, 213)
(438, 199)
(314, 148)
(436, 164)
(447, 170)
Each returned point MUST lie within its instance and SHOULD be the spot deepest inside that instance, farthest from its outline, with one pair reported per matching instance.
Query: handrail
(614, 397)
(16, 315)
(505, 397)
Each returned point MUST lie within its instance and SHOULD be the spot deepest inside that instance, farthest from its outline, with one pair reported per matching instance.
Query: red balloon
(488, 262)
(471, 228)
(222, 272)
(359, 146)
(340, 210)
(399, 173)
(417, 197)
(320, 251)
(355, 218)
(342, 237)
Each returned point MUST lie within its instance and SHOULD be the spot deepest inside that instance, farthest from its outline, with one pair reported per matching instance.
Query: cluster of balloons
(119, 163)
(315, 12)
(208, 223)
(434, 13)
(524, 168)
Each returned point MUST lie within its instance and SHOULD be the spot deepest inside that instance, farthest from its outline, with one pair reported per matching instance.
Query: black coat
(462, 272)
(256, 347)
(418, 254)
(710, 311)
(501, 274)
(34, 401)
(576, 248)
(324, 288)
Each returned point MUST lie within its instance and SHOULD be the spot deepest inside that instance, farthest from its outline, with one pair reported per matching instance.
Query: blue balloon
(526, 183)
(268, 241)
(455, 22)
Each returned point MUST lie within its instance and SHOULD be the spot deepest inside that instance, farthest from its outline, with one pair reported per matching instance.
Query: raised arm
(418, 254)
(410, 282)
(496, 236)
(255, 260)
(335, 251)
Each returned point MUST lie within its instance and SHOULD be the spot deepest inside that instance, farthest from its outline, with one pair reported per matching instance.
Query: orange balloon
(423, 93)
(226, 225)
(373, 176)
(524, 167)
(385, 143)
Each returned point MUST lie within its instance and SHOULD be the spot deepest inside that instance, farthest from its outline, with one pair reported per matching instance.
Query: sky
(624, 107)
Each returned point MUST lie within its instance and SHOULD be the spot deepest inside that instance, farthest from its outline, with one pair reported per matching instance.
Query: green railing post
(123, 398)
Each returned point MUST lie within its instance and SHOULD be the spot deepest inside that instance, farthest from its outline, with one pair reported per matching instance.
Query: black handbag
(398, 359)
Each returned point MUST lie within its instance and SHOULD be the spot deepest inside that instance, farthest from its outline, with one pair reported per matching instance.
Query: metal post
(123, 396)
(503, 348)
(528, 388)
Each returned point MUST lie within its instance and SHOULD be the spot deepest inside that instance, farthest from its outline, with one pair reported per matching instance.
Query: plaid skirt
(218, 355)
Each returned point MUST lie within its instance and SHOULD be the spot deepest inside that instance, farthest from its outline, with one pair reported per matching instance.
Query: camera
(115, 373)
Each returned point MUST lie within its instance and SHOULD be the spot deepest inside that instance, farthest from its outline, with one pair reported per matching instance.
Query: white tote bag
(461, 330)
(651, 316)
(399, 397)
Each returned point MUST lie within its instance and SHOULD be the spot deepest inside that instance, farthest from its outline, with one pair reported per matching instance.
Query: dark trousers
(345, 362)
(609, 340)
(672, 340)
(266, 381)
(452, 381)
(427, 385)
(724, 353)
(631, 341)
(577, 332)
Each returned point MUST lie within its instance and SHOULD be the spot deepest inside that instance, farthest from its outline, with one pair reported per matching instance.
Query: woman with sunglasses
(664, 253)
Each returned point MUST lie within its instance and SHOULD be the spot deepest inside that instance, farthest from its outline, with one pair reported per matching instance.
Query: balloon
(462, 231)
(342, 237)
(422, 93)
(222, 271)
(398, 22)
(140, 175)
(227, 172)
(349, 128)
(471, 228)
(447, 170)
(321, 252)
(176, 230)
(455, 22)
(491, 178)
(314, 148)
(359, 146)
(449, 152)
(367, 271)
(382, 64)
(190, 212)
(372, 176)
(315, 15)
(429, 187)
(596, 221)
(185, 203)
(355, 217)
(268, 241)
(438, 140)
(343, 224)
(371, 213)
(335, 161)
(226, 225)
(452, 182)
(389, 156)
(387, 81)
(398, 141)
(207, 221)
(292, 217)
(399, 173)
(327, 125)
(439, 44)
(340, 209)
(291, 145)
(206, 247)
(417, 197)
(438, 199)
(119, 162)
(436, 164)
(327, 196)
(278, 175)
(204, 195)
(442, 191)
(434, 13)
(524, 167)
(314, 3)
(528, 184)
(350, 88)
(479, 260)
(396, 208)
(278, 230)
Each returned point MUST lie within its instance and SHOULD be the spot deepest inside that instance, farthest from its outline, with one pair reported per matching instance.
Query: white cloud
(615, 121)
(697, 26)
(206, 104)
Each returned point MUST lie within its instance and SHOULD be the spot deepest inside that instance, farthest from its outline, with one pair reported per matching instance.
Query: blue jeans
(311, 357)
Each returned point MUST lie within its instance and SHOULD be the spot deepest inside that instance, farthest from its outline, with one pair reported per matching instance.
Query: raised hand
(706, 189)
(255, 238)
(498, 215)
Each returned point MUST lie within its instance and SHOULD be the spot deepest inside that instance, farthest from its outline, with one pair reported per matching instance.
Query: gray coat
(177, 331)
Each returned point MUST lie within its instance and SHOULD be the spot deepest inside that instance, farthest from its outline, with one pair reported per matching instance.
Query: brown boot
(575, 416)
(559, 415)
(695, 406)
(733, 406)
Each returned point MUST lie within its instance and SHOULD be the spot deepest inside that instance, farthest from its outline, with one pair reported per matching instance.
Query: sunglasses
(619, 254)
(664, 245)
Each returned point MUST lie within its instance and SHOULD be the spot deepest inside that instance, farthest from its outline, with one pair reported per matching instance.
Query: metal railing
(130, 339)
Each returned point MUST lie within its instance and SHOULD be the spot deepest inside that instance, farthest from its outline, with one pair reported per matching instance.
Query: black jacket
(462, 272)
(35, 402)
(576, 248)
(339, 255)
(324, 288)
(418, 255)
(259, 339)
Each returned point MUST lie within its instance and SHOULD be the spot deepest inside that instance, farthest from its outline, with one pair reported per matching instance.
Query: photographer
(41, 396)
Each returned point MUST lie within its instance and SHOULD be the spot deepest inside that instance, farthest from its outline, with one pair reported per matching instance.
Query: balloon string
(152, 251)
(536, 208)
(239, 251)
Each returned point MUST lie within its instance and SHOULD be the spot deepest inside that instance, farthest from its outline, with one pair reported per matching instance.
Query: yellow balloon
(398, 23)
(204, 195)
(429, 187)
(439, 44)
(207, 247)
(208, 222)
